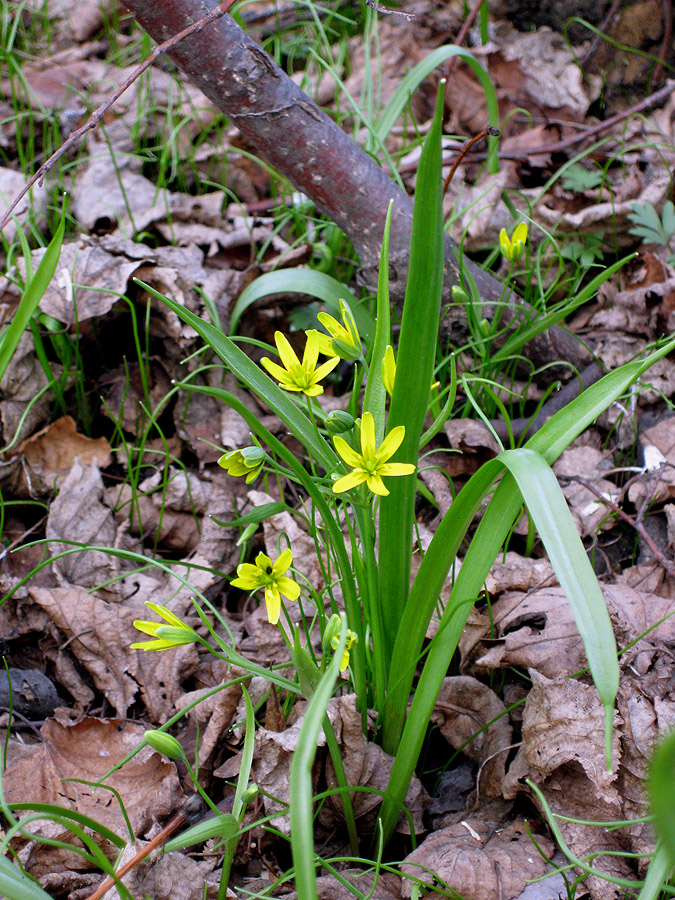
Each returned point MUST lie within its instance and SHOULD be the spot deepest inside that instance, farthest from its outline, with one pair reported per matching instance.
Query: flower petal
(348, 454)
(325, 368)
(387, 469)
(273, 603)
(368, 436)
(391, 443)
(311, 354)
(520, 234)
(349, 481)
(274, 369)
(283, 563)
(286, 352)
(376, 485)
(289, 588)
(146, 627)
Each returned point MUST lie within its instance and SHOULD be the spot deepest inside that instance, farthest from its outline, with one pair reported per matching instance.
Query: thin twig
(639, 527)
(486, 132)
(561, 146)
(667, 38)
(98, 114)
(461, 35)
(604, 26)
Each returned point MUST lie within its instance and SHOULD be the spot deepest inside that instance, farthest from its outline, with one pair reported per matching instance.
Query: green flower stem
(364, 518)
(375, 398)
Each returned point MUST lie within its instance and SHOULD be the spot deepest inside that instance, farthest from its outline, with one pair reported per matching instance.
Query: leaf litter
(73, 619)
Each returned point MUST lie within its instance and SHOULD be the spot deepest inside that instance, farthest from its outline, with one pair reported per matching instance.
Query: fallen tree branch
(305, 145)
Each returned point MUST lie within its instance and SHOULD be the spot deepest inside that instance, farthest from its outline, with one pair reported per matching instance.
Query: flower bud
(332, 630)
(339, 421)
(249, 794)
(459, 295)
(164, 743)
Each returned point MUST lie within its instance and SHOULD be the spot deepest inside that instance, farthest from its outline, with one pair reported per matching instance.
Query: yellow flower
(269, 575)
(299, 376)
(248, 461)
(512, 248)
(344, 341)
(389, 369)
(370, 465)
(351, 640)
(175, 634)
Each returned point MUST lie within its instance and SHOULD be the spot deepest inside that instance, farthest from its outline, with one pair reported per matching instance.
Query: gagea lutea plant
(358, 478)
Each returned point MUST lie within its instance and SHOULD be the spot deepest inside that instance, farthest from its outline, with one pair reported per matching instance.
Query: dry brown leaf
(464, 706)
(328, 887)
(21, 388)
(478, 859)
(148, 784)
(367, 765)
(658, 448)
(79, 515)
(564, 723)
(11, 184)
(535, 630)
(53, 450)
(216, 712)
(588, 511)
(173, 876)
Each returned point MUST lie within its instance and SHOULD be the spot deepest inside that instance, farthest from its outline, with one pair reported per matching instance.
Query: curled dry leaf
(535, 630)
(22, 383)
(464, 707)
(173, 876)
(478, 859)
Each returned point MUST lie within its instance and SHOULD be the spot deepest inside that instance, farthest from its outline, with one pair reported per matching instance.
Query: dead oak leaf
(478, 860)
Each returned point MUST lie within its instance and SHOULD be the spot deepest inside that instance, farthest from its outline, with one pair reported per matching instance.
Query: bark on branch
(306, 146)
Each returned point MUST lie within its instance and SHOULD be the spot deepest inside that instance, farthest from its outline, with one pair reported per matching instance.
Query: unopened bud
(339, 421)
(164, 743)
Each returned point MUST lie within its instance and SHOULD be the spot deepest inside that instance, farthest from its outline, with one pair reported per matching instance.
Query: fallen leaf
(54, 449)
(463, 708)
(478, 859)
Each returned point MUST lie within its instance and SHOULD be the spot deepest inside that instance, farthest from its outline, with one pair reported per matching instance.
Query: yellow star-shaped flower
(295, 375)
(269, 575)
(370, 465)
(343, 338)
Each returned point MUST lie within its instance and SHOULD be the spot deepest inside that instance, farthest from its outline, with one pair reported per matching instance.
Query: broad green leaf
(302, 281)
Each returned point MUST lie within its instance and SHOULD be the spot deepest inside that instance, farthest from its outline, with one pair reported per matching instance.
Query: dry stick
(98, 114)
(491, 131)
(660, 557)
(520, 427)
(461, 34)
(604, 25)
(560, 146)
(667, 38)
(189, 813)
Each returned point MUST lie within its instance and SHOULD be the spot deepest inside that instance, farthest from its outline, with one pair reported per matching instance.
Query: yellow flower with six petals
(248, 461)
(370, 465)
(295, 375)
(512, 247)
(269, 575)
